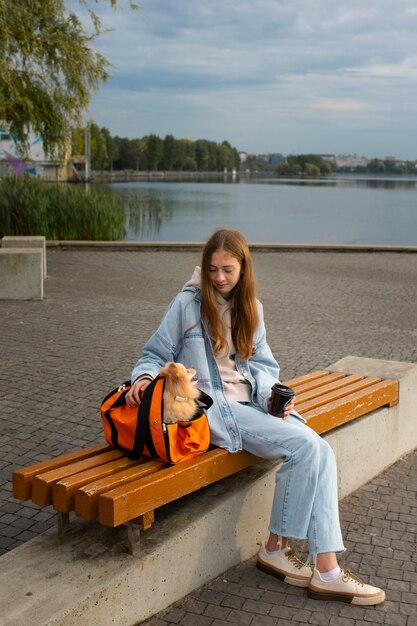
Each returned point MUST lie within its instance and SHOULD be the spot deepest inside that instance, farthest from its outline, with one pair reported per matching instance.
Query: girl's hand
(133, 395)
(290, 407)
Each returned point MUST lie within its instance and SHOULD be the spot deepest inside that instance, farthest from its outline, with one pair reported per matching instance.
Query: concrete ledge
(9, 241)
(136, 246)
(87, 578)
(21, 274)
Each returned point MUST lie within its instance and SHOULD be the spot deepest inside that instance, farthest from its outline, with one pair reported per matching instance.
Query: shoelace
(348, 575)
(294, 558)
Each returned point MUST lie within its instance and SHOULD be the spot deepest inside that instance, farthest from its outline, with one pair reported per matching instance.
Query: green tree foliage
(98, 145)
(169, 156)
(376, 166)
(48, 68)
(99, 154)
(151, 153)
(304, 165)
(111, 146)
(155, 152)
(311, 169)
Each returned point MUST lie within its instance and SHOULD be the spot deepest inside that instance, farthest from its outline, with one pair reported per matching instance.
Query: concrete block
(21, 274)
(368, 445)
(9, 241)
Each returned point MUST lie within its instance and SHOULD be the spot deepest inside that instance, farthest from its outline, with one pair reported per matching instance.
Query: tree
(155, 150)
(201, 155)
(48, 69)
(170, 152)
(127, 154)
(98, 145)
(311, 169)
(112, 149)
(376, 166)
(99, 154)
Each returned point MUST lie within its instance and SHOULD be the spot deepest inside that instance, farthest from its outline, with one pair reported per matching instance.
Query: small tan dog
(180, 393)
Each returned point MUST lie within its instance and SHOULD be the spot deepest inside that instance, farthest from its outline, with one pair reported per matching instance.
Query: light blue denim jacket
(181, 337)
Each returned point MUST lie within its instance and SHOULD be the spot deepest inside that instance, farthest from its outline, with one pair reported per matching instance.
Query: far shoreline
(115, 176)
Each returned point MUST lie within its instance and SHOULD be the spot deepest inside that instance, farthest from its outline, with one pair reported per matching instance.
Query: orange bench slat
(301, 380)
(336, 413)
(336, 394)
(43, 483)
(319, 384)
(86, 497)
(334, 384)
(23, 477)
(63, 492)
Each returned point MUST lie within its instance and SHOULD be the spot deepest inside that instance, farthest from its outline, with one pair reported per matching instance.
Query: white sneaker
(285, 565)
(345, 588)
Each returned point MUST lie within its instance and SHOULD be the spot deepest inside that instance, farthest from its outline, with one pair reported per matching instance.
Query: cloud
(267, 75)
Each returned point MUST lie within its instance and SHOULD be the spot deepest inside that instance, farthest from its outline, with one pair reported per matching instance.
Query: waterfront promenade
(61, 355)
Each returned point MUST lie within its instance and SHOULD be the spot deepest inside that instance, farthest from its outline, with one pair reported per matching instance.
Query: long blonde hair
(243, 305)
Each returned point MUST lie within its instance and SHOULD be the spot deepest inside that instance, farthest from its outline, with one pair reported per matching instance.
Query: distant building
(35, 162)
(276, 158)
(329, 158)
(350, 161)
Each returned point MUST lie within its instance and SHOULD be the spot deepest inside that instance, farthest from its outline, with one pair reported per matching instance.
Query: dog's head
(177, 372)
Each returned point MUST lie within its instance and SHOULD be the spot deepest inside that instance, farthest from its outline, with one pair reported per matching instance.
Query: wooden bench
(100, 482)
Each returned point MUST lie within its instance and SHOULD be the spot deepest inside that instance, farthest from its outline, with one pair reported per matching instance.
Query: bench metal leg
(133, 537)
(63, 523)
(143, 522)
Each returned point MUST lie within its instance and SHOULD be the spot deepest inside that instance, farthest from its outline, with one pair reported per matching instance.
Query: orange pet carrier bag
(140, 431)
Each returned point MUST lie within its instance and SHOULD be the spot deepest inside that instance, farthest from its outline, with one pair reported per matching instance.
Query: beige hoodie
(237, 388)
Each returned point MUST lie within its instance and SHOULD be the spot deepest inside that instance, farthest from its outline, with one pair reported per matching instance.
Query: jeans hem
(304, 538)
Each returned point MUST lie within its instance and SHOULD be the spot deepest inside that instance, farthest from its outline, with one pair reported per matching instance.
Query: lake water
(338, 210)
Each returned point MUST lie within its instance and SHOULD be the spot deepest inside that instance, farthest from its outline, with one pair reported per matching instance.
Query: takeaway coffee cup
(280, 397)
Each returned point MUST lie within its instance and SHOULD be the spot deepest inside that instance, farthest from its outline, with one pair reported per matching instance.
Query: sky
(287, 76)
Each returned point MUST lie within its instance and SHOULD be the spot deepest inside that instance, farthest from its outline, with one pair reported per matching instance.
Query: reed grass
(30, 206)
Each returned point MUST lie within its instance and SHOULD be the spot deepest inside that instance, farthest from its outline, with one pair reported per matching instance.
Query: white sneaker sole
(288, 578)
(334, 596)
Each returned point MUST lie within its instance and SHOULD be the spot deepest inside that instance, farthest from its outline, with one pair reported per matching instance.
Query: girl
(215, 325)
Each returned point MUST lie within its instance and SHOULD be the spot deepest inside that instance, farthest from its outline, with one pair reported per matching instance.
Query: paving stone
(193, 605)
(320, 619)
(263, 620)
(211, 596)
(233, 602)
(256, 606)
(240, 617)
(173, 615)
(196, 620)
(250, 592)
(217, 612)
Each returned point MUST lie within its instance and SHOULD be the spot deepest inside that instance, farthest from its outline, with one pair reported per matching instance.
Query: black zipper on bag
(165, 428)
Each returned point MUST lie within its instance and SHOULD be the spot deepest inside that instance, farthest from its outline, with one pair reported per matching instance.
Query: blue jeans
(305, 504)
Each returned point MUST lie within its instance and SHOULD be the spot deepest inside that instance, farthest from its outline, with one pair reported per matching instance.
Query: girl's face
(224, 272)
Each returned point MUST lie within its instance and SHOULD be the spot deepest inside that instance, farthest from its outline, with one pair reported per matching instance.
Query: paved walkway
(60, 356)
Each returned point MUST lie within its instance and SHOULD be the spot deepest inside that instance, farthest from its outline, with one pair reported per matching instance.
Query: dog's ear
(191, 373)
(175, 371)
